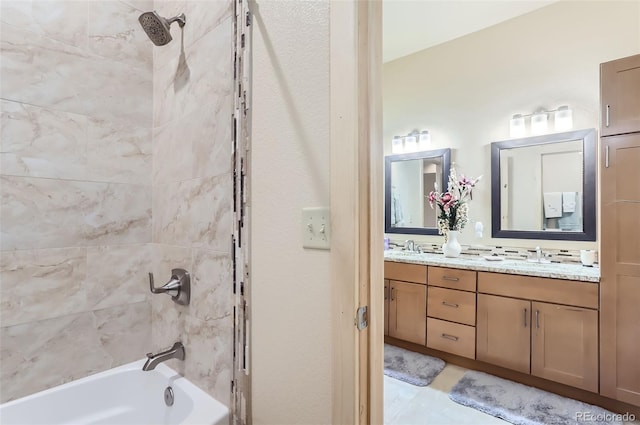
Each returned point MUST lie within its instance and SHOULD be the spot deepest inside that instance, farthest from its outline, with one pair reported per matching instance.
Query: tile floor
(406, 404)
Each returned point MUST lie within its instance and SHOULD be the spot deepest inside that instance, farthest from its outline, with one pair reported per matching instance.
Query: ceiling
(413, 25)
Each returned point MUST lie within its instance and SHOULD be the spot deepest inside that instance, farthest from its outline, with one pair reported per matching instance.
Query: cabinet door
(408, 312)
(386, 306)
(564, 345)
(503, 332)
(620, 270)
(619, 94)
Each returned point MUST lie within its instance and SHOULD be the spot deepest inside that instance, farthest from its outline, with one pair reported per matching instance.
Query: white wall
(465, 91)
(290, 289)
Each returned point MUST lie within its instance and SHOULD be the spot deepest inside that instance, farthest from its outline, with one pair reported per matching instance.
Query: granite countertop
(551, 270)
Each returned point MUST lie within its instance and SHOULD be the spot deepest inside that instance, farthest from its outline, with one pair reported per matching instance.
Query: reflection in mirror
(544, 187)
(409, 179)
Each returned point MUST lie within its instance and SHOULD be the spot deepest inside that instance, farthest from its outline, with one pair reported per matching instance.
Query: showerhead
(157, 27)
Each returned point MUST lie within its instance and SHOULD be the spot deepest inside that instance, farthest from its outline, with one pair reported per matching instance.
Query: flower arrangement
(452, 204)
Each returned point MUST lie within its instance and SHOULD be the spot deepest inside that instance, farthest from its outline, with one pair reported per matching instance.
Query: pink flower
(432, 198)
(466, 182)
(446, 198)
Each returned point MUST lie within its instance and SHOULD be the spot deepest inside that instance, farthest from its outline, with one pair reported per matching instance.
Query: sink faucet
(409, 245)
(538, 253)
(153, 360)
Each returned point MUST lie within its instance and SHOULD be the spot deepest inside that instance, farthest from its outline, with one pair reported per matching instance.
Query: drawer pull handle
(537, 319)
(386, 292)
(451, 337)
(450, 304)
(453, 279)
(393, 292)
(525, 317)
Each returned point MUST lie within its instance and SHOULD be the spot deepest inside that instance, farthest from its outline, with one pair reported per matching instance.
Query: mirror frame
(588, 233)
(446, 166)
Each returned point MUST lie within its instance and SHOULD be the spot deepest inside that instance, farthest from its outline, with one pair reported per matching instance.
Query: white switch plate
(316, 228)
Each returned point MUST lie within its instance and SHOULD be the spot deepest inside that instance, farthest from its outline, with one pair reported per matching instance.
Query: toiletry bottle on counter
(386, 244)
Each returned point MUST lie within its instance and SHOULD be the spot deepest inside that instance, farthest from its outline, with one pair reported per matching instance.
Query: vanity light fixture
(415, 141)
(563, 121)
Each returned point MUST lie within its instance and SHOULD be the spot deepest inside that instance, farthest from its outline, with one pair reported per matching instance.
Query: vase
(452, 248)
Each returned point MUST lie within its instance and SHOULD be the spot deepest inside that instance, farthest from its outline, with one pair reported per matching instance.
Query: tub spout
(153, 360)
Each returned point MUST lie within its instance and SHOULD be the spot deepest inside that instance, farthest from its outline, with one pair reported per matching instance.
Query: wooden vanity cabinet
(620, 268)
(408, 311)
(406, 301)
(539, 326)
(552, 341)
(619, 94)
(620, 230)
(564, 345)
(387, 285)
(503, 332)
(451, 311)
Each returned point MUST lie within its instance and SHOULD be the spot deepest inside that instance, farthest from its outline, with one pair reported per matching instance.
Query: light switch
(316, 228)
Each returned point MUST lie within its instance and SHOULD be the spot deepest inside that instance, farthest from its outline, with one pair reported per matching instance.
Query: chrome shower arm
(181, 19)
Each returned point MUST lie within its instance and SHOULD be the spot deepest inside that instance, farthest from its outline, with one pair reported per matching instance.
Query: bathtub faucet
(153, 360)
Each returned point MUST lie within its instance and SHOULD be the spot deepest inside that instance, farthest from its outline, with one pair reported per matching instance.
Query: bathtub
(122, 396)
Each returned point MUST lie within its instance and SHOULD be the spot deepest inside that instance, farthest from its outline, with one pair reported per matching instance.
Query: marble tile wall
(76, 114)
(193, 189)
(115, 159)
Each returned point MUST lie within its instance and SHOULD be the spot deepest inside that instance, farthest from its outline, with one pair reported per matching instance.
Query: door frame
(356, 210)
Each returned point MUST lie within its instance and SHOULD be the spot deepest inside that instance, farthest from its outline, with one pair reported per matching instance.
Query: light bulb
(424, 140)
(563, 119)
(396, 144)
(411, 142)
(516, 126)
(539, 123)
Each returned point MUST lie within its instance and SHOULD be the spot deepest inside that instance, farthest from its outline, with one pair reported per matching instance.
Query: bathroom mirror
(544, 187)
(408, 180)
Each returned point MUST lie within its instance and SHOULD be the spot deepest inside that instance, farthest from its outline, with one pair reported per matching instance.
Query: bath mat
(524, 405)
(411, 367)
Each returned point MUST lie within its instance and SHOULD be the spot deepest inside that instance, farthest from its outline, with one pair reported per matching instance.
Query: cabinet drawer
(464, 280)
(451, 337)
(452, 305)
(415, 273)
(557, 291)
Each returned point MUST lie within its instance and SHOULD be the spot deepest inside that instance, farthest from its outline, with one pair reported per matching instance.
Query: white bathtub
(122, 396)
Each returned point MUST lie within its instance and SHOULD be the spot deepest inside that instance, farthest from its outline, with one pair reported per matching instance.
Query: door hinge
(362, 318)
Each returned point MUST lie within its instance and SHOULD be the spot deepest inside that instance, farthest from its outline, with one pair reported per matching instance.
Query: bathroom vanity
(538, 320)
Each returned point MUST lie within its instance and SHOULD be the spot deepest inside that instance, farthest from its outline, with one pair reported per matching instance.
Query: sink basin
(540, 261)
(403, 253)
